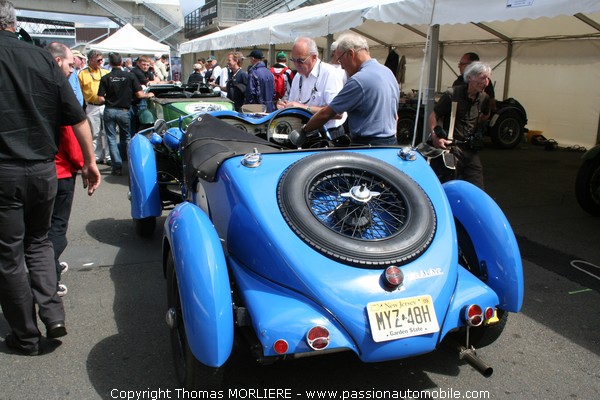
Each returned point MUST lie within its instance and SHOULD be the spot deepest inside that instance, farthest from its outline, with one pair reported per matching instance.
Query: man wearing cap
(89, 79)
(261, 83)
(79, 60)
(281, 69)
(73, 79)
(213, 70)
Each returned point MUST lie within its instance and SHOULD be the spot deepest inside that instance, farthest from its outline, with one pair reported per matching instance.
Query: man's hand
(440, 132)
(439, 138)
(91, 177)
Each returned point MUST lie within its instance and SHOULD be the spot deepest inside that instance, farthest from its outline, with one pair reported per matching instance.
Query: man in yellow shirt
(89, 79)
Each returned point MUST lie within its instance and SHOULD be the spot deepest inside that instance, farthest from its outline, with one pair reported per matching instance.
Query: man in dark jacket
(238, 80)
(260, 82)
(36, 99)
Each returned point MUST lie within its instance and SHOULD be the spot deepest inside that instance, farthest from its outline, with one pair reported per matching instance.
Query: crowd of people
(74, 126)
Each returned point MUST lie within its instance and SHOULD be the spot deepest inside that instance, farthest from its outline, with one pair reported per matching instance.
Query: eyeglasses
(100, 60)
(298, 60)
(340, 57)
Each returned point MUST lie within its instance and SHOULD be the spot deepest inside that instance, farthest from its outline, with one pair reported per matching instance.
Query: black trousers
(60, 218)
(27, 269)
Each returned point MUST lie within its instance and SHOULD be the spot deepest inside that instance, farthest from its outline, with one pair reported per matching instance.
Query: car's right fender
(493, 238)
(203, 279)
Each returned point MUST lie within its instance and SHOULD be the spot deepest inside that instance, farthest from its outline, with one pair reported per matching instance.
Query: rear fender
(591, 153)
(203, 283)
(145, 196)
(508, 105)
(493, 239)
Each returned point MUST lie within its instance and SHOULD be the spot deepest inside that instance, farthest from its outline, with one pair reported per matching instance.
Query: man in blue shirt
(73, 78)
(370, 96)
(261, 83)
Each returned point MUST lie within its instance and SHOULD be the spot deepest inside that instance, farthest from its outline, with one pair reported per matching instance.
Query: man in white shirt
(160, 67)
(316, 83)
(213, 70)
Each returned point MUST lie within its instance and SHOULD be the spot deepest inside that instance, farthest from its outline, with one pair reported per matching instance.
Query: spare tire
(356, 209)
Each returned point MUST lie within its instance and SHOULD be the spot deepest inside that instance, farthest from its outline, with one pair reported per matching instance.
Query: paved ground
(118, 340)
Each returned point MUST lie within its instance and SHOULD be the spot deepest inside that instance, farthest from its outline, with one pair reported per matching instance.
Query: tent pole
(430, 97)
(271, 55)
(509, 51)
(440, 65)
(327, 49)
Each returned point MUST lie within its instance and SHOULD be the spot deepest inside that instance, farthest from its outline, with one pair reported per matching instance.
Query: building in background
(215, 15)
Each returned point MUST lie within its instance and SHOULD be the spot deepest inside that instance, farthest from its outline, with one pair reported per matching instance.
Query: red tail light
(489, 313)
(393, 277)
(317, 338)
(281, 346)
(473, 315)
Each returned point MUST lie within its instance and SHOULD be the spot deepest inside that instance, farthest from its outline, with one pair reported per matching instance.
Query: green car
(172, 101)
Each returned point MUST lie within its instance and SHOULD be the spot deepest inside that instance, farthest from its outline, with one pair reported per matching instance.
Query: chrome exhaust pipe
(470, 356)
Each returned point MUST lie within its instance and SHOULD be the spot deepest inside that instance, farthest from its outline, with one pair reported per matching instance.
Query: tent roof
(408, 22)
(129, 40)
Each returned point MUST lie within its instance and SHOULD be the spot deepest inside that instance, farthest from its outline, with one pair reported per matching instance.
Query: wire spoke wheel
(356, 209)
(358, 205)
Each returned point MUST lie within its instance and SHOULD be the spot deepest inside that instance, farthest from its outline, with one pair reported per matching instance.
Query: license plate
(401, 318)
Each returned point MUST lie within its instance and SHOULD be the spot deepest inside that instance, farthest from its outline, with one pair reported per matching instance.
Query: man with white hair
(473, 109)
(315, 85)
(196, 76)
(370, 96)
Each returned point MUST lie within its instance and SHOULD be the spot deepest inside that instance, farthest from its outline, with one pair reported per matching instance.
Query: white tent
(538, 48)
(129, 41)
(412, 18)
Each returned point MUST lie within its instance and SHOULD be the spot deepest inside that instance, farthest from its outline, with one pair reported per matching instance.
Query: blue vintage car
(303, 246)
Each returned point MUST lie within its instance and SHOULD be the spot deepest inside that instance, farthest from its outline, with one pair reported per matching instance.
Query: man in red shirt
(69, 161)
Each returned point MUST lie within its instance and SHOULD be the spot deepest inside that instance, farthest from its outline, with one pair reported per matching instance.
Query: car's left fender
(145, 195)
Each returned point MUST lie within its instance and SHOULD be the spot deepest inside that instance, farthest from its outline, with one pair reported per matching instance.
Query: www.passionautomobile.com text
(437, 393)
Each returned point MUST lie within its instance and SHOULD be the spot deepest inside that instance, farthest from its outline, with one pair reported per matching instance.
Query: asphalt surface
(118, 342)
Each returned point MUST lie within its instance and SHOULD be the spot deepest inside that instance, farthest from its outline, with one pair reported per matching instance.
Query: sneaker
(116, 172)
(62, 290)
(64, 267)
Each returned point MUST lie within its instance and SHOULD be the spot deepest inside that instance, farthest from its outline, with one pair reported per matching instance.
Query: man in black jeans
(36, 99)
(116, 92)
(473, 109)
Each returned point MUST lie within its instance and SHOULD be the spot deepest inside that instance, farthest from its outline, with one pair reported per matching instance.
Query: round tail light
(473, 315)
(489, 313)
(281, 346)
(318, 338)
(393, 277)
